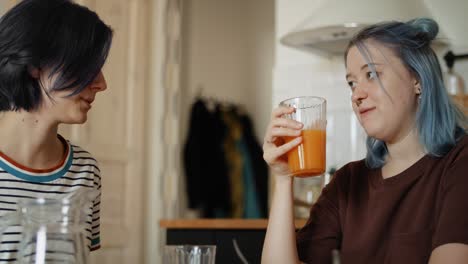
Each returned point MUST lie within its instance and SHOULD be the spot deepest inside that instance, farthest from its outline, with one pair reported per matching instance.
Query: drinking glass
(189, 254)
(309, 158)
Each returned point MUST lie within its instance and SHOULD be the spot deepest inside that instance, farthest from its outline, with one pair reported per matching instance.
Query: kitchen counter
(462, 101)
(229, 235)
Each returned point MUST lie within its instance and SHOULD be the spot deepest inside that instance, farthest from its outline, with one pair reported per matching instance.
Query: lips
(87, 103)
(88, 100)
(366, 110)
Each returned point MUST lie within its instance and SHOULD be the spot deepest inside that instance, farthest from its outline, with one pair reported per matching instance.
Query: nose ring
(358, 102)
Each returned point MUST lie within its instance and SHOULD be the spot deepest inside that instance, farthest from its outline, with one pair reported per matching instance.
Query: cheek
(355, 110)
(356, 113)
(405, 103)
(67, 106)
(402, 98)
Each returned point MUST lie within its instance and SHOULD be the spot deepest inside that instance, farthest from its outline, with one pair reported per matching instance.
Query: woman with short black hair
(51, 56)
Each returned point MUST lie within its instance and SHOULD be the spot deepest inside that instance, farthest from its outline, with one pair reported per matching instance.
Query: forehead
(371, 51)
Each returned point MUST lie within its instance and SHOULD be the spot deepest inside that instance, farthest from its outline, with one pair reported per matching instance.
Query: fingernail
(299, 125)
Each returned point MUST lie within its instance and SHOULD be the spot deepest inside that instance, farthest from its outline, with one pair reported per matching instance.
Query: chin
(82, 119)
(372, 132)
(77, 120)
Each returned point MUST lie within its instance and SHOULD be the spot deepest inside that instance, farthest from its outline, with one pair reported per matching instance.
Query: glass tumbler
(309, 158)
(189, 254)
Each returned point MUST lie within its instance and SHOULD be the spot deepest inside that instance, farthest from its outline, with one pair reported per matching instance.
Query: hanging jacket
(205, 168)
(259, 166)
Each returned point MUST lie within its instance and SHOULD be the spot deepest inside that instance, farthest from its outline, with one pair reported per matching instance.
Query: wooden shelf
(462, 101)
(220, 223)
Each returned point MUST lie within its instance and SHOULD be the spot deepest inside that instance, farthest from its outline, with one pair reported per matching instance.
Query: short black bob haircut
(67, 39)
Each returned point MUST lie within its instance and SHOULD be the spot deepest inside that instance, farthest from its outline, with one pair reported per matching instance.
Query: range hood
(333, 23)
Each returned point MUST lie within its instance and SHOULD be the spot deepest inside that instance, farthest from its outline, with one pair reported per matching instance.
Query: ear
(417, 86)
(34, 72)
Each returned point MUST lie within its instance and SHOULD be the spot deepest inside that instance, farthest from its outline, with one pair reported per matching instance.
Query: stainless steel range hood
(330, 27)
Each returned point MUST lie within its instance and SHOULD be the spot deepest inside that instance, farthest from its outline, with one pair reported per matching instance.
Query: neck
(403, 153)
(30, 139)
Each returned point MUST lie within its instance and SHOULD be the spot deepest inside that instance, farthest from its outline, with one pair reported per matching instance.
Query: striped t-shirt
(77, 171)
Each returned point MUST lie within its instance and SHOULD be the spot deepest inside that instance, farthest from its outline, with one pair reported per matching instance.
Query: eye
(372, 75)
(352, 85)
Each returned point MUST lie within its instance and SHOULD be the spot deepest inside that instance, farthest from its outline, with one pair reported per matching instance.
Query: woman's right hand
(274, 145)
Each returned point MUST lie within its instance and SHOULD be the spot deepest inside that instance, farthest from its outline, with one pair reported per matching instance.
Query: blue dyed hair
(440, 122)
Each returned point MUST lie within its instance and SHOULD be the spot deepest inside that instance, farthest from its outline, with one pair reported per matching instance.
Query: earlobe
(417, 86)
(34, 72)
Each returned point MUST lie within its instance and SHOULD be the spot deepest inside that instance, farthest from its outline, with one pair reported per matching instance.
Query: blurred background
(185, 75)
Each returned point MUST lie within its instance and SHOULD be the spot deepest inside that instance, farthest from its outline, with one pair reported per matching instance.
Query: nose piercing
(358, 102)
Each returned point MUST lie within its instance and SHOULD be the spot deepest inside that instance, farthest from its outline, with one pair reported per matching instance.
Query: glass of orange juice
(309, 158)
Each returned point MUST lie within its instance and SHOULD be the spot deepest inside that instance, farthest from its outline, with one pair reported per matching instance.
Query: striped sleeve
(96, 220)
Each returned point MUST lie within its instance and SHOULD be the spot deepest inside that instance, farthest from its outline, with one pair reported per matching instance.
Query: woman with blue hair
(406, 201)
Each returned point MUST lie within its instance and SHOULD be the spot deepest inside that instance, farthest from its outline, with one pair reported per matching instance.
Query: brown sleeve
(322, 233)
(452, 225)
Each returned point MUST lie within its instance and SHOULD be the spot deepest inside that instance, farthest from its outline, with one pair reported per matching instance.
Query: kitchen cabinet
(248, 234)
(462, 101)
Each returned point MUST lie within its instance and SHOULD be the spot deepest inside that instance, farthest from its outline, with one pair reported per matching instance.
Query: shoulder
(83, 161)
(82, 154)
(354, 173)
(461, 148)
(354, 166)
(351, 170)
(455, 164)
(459, 153)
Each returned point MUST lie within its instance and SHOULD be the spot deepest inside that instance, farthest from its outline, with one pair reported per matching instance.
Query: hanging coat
(207, 181)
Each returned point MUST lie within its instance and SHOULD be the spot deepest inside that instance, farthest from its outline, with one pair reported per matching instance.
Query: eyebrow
(363, 67)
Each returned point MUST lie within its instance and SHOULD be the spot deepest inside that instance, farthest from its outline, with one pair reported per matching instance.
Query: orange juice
(308, 159)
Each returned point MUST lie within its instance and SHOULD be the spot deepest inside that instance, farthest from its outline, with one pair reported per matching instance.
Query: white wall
(451, 15)
(2, 7)
(261, 59)
(228, 51)
(215, 49)
(300, 73)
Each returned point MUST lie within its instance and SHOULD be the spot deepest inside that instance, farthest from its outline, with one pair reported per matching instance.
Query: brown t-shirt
(395, 220)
